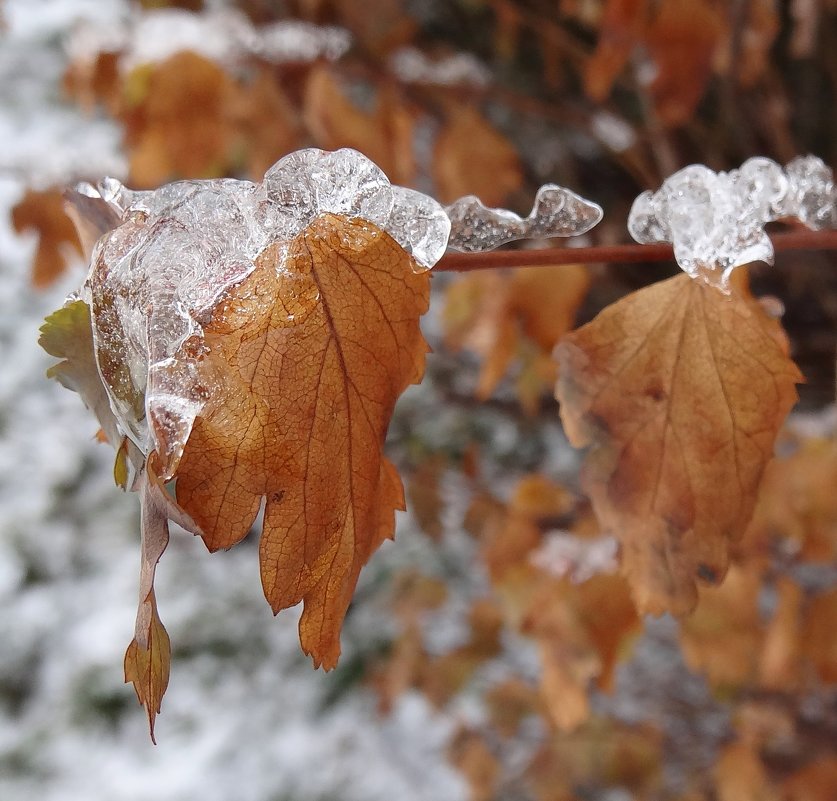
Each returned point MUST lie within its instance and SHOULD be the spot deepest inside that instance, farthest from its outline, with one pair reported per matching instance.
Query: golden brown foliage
(305, 387)
(679, 390)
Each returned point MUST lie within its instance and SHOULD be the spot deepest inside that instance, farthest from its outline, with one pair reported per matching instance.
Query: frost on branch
(156, 278)
(715, 221)
(556, 212)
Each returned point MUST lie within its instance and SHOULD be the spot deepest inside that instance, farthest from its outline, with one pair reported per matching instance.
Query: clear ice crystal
(419, 224)
(155, 279)
(715, 221)
(557, 212)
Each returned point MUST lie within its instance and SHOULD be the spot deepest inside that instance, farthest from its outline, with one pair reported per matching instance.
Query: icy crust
(715, 221)
(155, 279)
(556, 212)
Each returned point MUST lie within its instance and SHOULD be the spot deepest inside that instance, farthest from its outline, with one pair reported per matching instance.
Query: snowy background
(245, 716)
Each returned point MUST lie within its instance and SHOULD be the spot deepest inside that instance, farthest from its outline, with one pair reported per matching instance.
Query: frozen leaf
(473, 158)
(253, 340)
(304, 384)
(678, 390)
(156, 279)
(557, 212)
(43, 212)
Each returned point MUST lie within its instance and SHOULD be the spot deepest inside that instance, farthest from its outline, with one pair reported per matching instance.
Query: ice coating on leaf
(419, 224)
(715, 221)
(310, 182)
(557, 212)
(156, 278)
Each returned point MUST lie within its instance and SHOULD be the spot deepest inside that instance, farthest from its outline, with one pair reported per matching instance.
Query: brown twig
(465, 262)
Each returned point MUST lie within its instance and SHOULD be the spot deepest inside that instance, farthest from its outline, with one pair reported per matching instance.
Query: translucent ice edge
(556, 212)
(177, 251)
(715, 221)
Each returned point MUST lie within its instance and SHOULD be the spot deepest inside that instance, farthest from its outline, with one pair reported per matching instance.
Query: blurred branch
(465, 262)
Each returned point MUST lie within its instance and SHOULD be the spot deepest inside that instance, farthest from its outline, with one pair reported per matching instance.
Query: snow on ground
(245, 716)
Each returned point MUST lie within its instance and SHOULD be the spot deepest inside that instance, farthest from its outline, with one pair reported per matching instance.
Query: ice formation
(715, 221)
(154, 280)
(556, 212)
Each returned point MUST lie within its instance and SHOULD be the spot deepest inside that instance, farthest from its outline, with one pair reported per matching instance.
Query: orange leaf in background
(723, 637)
(683, 39)
(43, 212)
(424, 497)
(622, 25)
(581, 628)
(473, 158)
(679, 390)
(177, 120)
(797, 504)
(819, 645)
(470, 754)
(305, 384)
(495, 314)
(778, 669)
(385, 134)
(740, 776)
(93, 81)
(266, 124)
(815, 782)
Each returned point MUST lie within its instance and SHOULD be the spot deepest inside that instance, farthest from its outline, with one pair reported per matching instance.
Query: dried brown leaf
(679, 392)
(306, 383)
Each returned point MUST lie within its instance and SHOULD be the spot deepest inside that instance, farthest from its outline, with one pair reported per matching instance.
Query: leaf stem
(465, 262)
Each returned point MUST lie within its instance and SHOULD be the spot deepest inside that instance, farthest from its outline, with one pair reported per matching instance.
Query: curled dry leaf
(679, 392)
(305, 384)
(148, 658)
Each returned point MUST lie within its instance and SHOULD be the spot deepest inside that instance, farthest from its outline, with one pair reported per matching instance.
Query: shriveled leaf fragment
(307, 357)
(678, 391)
(43, 212)
(148, 658)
